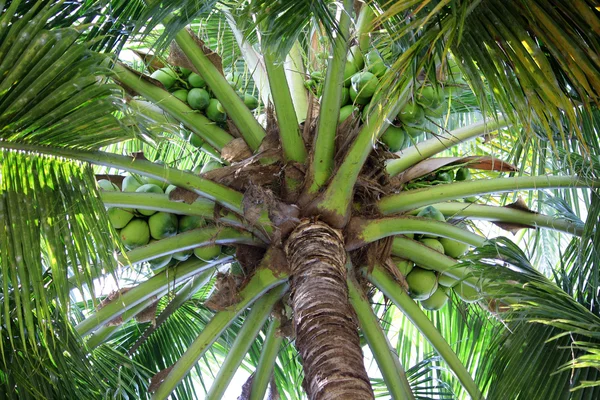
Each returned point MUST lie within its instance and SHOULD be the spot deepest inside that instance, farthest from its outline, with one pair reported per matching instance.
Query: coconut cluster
(138, 227)
(432, 288)
(362, 79)
(192, 89)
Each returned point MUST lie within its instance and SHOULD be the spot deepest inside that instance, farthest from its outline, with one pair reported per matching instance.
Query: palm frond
(518, 51)
(281, 23)
(544, 326)
(58, 366)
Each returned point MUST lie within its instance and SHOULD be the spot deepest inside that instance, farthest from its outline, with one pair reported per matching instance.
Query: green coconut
(463, 174)
(181, 94)
(250, 101)
(208, 253)
(235, 80)
(437, 300)
(215, 111)
(346, 112)
(355, 57)
(131, 183)
(198, 99)
(454, 248)
(375, 63)
(189, 222)
(364, 83)
(196, 81)
(349, 70)
(166, 76)
(404, 266)
(184, 72)
(211, 165)
(445, 176)
(162, 225)
(430, 97)
(394, 138)
(135, 234)
(345, 96)
(119, 217)
(195, 140)
(422, 283)
(466, 293)
(160, 262)
(412, 113)
(431, 213)
(107, 186)
(433, 244)
(356, 99)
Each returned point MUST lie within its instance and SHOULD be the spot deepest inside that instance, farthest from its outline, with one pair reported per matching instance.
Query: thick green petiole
(223, 195)
(431, 259)
(160, 202)
(266, 363)
(244, 339)
(506, 215)
(409, 200)
(387, 359)
(321, 165)
(362, 231)
(104, 333)
(334, 203)
(195, 121)
(384, 282)
(144, 291)
(428, 148)
(289, 131)
(184, 294)
(187, 241)
(262, 281)
(241, 116)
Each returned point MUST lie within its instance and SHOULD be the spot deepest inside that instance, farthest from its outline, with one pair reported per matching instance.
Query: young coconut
(196, 81)
(198, 99)
(394, 138)
(159, 262)
(162, 225)
(119, 217)
(422, 283)
(135, 234)
(208, 253)
(107, 186)
(433, 244)
(404, 266)
(437, 300)
(131, 183)
(166, 76)
(454, 248)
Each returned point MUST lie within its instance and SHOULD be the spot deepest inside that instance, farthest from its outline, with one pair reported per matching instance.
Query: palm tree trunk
(326, 329)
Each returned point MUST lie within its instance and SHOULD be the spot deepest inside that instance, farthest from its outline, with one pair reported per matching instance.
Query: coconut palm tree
(288, 186)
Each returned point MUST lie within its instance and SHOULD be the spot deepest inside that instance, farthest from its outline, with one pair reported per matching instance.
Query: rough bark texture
(326, 330)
